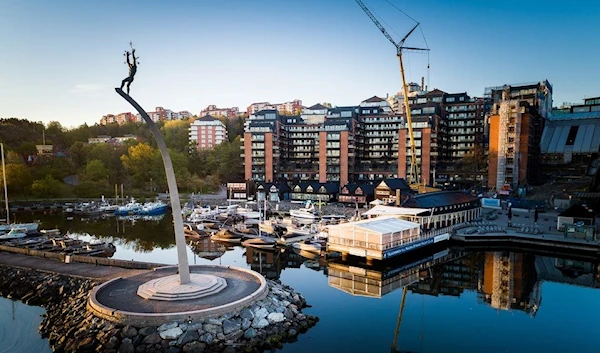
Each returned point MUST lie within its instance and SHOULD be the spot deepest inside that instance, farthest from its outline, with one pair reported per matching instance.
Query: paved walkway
(100, 273)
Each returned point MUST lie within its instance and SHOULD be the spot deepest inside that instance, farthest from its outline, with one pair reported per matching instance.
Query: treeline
(78, 169)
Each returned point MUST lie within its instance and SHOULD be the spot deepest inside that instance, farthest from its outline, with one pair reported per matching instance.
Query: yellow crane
(414, 179)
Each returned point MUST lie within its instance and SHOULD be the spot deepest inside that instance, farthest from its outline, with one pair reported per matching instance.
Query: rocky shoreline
(69, 327)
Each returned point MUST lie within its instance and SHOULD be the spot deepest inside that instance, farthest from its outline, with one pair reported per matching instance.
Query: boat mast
(5, 188)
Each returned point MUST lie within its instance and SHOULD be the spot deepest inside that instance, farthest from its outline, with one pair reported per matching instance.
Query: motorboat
(308, 245)
(14, 233)
(226, 235)
(293, 237)
(29, 227)
(306, 212)
(153, 208)
(260, 243)
(132, 207)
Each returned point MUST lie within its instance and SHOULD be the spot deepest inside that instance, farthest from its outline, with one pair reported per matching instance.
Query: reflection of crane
(413, 176)
(404, 290)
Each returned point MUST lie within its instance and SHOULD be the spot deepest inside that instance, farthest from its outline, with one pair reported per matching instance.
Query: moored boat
(260, 243)
(308, 245)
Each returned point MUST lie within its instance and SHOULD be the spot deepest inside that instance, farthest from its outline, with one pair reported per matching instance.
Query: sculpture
(132, 68)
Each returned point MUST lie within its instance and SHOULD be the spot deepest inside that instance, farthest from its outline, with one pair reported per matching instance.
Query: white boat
(227, 236)
(293, 237)
(260, 243)
(15, 233)
(308, 212)
(308, 245)
(30, 227)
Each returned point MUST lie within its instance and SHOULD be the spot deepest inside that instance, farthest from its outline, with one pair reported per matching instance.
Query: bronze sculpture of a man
(132, 69)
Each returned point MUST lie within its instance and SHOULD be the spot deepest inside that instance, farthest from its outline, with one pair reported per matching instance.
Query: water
(18, 328)
(457, 301)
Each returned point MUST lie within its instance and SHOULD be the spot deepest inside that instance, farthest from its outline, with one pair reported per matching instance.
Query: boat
(260, 243)
(153, 208)
(293, 237)
(29, 227)
(308, 245)
(193, 231)
(226, 235)
(14, 233)
(132, 207)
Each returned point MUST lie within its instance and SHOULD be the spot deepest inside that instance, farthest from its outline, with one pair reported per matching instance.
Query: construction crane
(414, 179)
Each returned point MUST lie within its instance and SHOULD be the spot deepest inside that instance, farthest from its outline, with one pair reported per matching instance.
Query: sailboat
(4, 228)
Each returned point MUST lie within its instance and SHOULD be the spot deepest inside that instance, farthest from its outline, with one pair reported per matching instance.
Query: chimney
(397, 197)
(423, 83)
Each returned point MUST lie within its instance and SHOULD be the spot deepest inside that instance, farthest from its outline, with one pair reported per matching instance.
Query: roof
(396, 183)
(207, 117)
(560, 129)
(373, 99)
(318, 107)
(436, 92)
(379, 225)
(380, 210)
(439, 199)
(332, 188)
(584, 210)
(367, 189)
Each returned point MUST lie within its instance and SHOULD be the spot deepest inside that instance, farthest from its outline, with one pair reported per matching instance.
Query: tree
(46, 188)
(176, 134)
(17, 177)
(143, 164)
(476, 159)
(78, 154)
(95, 171)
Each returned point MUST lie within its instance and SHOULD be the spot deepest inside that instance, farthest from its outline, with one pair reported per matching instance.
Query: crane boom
(413, 175)
(381, 28)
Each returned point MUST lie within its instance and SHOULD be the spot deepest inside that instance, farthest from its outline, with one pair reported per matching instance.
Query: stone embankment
(68, 325)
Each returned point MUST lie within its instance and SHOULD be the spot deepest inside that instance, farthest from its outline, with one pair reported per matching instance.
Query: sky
(61, 59)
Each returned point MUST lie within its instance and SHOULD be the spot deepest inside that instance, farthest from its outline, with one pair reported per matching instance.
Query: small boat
(307, 212)
(260, 243)
(50, 232)
(293, 237)
(15, 233)
(225, 235)
(308, 245)
(29, 227)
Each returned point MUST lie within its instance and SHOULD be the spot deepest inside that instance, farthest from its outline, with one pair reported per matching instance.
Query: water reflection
(503, 280)
(18, 328)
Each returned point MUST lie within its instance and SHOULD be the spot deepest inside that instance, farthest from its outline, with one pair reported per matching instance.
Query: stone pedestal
(169, 288)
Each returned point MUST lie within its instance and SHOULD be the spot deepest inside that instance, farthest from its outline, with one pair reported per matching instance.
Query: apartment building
(207, 132)
(516, 124)
(261, 146)
(293, 107)
(212, 110)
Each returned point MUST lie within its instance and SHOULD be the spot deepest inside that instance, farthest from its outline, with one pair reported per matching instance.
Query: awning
(381, 210)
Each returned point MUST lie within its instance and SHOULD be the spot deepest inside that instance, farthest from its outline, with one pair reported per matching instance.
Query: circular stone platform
(216, 290)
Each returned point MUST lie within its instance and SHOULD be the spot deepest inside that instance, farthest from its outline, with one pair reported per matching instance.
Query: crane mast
(413, 176)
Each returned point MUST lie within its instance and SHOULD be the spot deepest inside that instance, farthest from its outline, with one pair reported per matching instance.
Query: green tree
(95, 171)
(142, 164)
(17, 177)
(78, 154)
(176, 134)
(46, 187)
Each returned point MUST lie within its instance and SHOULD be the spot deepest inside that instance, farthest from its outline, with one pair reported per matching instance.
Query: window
(572, 135)
(450, 99)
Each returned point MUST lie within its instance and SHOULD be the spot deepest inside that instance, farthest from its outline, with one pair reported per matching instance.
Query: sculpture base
(168, 288)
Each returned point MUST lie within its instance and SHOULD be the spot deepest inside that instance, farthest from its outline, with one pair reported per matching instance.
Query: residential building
(293, 107)
(212, 110)
(516, 124)
(261, 145)
(162, 114)
(112, 140)
(207, 132)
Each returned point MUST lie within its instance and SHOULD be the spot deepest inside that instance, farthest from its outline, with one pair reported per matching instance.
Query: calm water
(457, 301)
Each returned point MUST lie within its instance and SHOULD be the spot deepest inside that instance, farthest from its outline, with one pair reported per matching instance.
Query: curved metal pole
(184, 268)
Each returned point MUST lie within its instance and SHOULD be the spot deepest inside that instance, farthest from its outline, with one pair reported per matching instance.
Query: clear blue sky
(61, 59)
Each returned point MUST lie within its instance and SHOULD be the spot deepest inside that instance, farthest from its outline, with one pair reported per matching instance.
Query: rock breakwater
(70, 327)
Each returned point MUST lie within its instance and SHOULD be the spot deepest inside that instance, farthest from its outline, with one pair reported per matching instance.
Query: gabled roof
(332, 188)
(439, 199)
(374, 99)
(368, 189)
(207, 117)
(281, 186)
(396, 183)
(435, 92)
(318, 106)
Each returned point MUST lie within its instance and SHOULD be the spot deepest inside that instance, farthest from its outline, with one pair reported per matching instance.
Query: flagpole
(5, 188)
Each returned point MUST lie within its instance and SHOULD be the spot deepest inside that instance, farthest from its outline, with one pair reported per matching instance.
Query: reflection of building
(450, 278)
(207, 249)
(510, 282)
(267, 263)
(376, 281)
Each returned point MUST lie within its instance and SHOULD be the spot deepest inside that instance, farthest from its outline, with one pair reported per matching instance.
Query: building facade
(212, 110)
(516, 124)
(207, 132)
